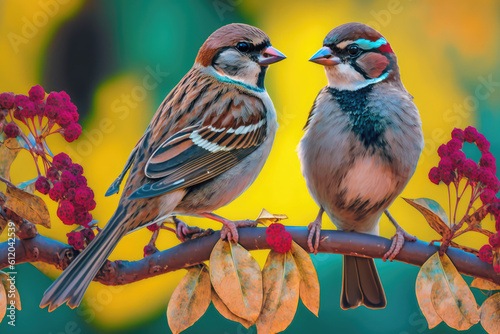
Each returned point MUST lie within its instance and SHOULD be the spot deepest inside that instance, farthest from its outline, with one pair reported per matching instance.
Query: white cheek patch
(345, 77)
(237, 67)
(368, 180)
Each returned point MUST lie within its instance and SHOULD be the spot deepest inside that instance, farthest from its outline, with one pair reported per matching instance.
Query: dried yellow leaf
(12, 296)
(27, 206)
(3, 303)
(490, 314)
(237, 279)
(281, 281)
(432, 212)
(226, 313)
(8, 153)
(190, 299)
(309, 283)
(450, 297)
(267, 218)
(483, 284)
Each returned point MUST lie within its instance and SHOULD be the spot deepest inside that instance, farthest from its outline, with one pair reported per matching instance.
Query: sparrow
(361, 145)
(205, 145)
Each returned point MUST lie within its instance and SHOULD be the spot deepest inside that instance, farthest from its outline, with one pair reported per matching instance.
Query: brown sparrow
(204, 147)
(362, 142)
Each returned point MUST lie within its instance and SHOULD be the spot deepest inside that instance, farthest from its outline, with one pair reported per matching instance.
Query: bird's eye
(353, 50)
(243, 46)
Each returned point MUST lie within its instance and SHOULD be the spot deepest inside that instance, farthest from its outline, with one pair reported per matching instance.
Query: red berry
(64, 96)
(66, 212)
(458, 134)
(495, 240)
(435, 175)
(153, 227)
(282, 242)
(90, 205)
(454, 145)
(275, 229)
(457, 158)
(42, 185)
(487, 196)
(482, 143)
(446, 164)
(443, 151)
(70, 194)
(68, 179)
(72, 132)
(64, 118)
(61, 161)
(88, 233)
(53, 173)
(36, 93)
(50, 112)
(448, 176)
(81, 181)
(76, 169)
(7, 100)
(470, 134)
(12, 130)
(494, 207)
(485, 254)
(29, 110)
(54, 99)
(488, 161)
(21, 100)
(76, 239)
(84, 195)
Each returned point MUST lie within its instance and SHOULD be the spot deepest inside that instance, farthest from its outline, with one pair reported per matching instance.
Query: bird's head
(355, 56)
(239, 52)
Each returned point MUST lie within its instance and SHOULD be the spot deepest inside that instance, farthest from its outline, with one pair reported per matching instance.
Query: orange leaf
(237, 279)
(8, 153)
(226, 313)
(12, 296)
(483, 284)
(3, 303)
(490, 314)
(190, 299)
(27, 206)
(281, 281)
(309, 283)
(450, 297)
(433, 213)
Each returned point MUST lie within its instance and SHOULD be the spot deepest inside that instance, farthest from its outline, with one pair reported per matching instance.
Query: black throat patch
(367, 125)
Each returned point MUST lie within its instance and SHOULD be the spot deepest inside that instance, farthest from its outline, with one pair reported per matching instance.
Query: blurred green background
(100, 52)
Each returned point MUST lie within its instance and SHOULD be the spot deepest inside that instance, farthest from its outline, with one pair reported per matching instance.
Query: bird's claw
(229, 231)
(185, 232)
(398, 241)
(314, 232)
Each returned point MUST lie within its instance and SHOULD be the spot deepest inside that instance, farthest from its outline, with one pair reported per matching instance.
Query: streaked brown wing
(235, 125)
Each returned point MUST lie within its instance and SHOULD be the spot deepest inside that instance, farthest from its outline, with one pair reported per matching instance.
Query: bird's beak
(325, 56)
(270, 56)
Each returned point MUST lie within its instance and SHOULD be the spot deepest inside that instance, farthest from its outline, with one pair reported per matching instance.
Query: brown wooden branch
(196, 251)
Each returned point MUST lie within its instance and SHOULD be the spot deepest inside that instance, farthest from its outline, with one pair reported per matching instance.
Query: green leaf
(433, 213)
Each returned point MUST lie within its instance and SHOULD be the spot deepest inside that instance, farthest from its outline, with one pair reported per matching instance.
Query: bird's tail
(71, 285)
(361, 284)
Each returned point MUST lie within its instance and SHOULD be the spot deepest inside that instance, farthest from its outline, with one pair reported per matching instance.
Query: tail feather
(71, 285)
(361, 284)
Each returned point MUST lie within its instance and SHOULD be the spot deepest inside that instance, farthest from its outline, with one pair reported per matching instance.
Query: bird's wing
(234, 126)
